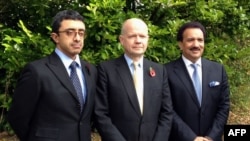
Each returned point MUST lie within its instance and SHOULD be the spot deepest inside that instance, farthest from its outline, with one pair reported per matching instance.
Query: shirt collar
(130, 61)
(67, 60)
(188, 62)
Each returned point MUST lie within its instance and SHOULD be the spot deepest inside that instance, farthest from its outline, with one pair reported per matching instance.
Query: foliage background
(25, 36)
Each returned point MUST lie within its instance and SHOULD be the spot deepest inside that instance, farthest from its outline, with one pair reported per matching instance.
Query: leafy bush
(25, 35)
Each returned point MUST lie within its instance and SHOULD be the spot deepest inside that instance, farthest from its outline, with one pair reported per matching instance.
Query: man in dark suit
(198, 115)
(46, 105)
(126, 112)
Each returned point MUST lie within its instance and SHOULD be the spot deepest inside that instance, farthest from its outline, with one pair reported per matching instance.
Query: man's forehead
(74, 24)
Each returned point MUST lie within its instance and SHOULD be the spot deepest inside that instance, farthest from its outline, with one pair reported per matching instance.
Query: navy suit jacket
(45, 104)
(117, 108)
(190, 119)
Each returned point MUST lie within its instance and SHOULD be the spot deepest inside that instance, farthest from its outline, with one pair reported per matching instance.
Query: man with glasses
(54, 96)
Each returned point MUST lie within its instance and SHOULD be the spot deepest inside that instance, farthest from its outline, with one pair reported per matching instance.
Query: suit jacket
(190, 119)
(45, 104)
(117, 108)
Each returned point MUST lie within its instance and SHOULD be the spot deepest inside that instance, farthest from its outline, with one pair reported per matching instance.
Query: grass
(240, 106)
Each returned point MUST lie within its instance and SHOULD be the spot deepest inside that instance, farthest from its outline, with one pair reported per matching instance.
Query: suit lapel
(147, 81)
(182, 73)
(88, 85)
(56, 66)
(127, 80)
(205, 74)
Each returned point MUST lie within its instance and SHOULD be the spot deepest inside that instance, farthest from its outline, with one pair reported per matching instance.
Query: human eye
(201, 40)
(70, 32)
(81, 33)
(131, 36)
(190, 39)
(143, 36)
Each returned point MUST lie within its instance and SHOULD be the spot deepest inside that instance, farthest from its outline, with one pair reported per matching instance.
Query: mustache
(195, 48)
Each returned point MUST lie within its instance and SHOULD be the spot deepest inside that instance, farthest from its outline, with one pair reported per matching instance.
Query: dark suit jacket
(191, 120)
(45, 105)
(117, 108)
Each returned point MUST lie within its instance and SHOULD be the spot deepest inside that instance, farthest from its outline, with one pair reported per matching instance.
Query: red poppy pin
(152, 72)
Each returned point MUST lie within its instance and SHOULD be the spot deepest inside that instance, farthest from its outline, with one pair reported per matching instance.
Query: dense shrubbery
(25, 28)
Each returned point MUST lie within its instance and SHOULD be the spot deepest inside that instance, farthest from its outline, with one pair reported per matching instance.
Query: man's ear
(54, 37)
(180, 45)
(121, 39)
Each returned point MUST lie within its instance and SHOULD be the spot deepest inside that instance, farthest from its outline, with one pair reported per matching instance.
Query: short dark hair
(65, 15)
(192, 24)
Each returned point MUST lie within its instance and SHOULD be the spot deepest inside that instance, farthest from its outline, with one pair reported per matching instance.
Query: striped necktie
(76, 82)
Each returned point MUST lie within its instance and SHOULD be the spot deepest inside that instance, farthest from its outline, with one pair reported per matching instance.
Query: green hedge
(25, 35)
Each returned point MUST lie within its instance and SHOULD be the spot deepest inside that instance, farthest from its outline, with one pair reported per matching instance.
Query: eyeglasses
(72, 33)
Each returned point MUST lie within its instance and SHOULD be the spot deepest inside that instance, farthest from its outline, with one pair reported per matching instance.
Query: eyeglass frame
(72, 32)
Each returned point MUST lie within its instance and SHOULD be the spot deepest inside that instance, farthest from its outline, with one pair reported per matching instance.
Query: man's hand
(199, 138)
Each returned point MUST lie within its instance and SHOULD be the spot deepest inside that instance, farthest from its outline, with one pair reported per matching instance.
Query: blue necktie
(76, 82)
(197, 83)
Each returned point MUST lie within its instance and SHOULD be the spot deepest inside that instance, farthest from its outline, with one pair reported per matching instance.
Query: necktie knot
(194, 66)
(73, 65)
(135, 65)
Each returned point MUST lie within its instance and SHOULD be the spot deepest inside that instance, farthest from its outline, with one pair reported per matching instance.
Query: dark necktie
(197, 83)
(76, 82)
